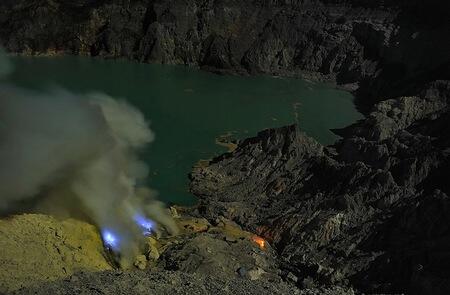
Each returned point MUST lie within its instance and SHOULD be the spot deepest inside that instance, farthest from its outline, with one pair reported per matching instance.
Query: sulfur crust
(37, 248)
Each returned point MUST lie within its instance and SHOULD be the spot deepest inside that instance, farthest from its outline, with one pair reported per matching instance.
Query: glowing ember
(260, 241)
(145, 224)
(111, 240)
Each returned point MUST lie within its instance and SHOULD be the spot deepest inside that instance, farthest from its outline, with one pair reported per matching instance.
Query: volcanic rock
(387, 47)
(168, 283)
(141, 262)
(368, 212)
(38, 248)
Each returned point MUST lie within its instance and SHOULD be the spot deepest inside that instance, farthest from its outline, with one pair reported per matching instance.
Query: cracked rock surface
(370, 212)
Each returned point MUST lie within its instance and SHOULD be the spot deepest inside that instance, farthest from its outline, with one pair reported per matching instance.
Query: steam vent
(224, 147)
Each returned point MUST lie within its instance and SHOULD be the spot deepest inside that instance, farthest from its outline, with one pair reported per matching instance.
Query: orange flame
(260, 241)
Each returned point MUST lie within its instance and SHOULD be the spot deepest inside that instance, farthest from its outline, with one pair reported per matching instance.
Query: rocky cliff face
(389, 47)
(370, 212)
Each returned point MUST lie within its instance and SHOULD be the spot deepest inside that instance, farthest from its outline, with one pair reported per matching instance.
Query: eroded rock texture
(371, 211)
(168, 283)
(42, 255)
(389, 47)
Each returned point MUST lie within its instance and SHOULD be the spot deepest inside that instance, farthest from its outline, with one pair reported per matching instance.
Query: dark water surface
(188, 109)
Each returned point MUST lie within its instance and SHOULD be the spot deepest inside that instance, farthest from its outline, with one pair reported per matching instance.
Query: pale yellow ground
(36, 248)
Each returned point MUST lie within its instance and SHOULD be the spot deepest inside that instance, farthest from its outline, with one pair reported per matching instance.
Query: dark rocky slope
(168, 283)
(370, 212)
(390, 47)
(204, 258)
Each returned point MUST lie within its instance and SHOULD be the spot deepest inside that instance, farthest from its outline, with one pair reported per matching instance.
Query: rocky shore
(387, 48)
(370, 213)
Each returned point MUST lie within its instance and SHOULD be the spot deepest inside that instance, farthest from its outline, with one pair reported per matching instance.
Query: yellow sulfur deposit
(37, 248)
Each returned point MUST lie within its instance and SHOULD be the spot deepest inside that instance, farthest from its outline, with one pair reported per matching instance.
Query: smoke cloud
(62, 144)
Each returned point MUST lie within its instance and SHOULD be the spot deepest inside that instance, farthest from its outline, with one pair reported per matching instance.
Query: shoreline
(369, 213)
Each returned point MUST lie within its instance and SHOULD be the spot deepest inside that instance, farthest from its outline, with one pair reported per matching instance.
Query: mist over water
(60, 146)
(189, 109)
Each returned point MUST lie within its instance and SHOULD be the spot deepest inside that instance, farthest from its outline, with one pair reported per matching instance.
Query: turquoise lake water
(189, 109)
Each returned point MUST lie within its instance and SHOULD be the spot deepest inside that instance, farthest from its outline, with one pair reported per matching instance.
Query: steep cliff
(370, 212)
(389, 47)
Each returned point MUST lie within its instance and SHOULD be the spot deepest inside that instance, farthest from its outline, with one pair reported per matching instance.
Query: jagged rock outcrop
(389, 48)
(43, 255)
(370, 212)
(390, 116)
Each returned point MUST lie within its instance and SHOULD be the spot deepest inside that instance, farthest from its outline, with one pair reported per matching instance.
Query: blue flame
(144, 223)
(110, 240)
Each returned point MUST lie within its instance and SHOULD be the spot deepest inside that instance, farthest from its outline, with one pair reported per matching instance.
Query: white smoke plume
(82, 144)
